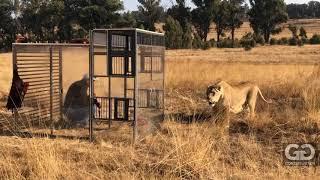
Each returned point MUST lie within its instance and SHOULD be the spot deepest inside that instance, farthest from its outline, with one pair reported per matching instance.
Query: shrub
(259, 39)
(283, 41)
(273, 41)
(300, 42)
(294, 30)
(212, 43)
(293, 41)
(304, 40)
(197, 43)
(303, 33)
(247, 41)
(208, 44)
(315, 39)
(225, 43)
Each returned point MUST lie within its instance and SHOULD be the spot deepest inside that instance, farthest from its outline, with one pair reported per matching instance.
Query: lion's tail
(267, 101)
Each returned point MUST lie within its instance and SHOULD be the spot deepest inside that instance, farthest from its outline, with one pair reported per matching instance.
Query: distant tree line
(65, 20)
(303, 11)
(187, 27)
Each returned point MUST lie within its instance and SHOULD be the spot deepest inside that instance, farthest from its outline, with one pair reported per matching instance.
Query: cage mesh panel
(134, 78)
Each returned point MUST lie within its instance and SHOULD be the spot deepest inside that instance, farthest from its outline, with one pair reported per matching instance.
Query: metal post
(60, 84)
(135, 92)
(163, 78)
(110, 63)
(91, 54)
(51, 89)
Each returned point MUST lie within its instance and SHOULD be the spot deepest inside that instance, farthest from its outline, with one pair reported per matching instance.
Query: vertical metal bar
(151, 58)
(163, 76)
(51, 89)
(110, 63)
(91, 64)
(135, 94)
(126, 64)
(60, 83)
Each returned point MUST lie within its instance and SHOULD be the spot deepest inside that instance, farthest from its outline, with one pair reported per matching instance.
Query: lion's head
(214, 94)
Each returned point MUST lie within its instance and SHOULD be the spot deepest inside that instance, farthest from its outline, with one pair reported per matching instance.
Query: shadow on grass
(25, 134)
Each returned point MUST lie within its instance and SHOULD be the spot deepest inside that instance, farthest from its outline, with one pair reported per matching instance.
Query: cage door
(121, 109)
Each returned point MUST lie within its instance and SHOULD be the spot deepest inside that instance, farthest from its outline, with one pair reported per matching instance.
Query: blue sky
(132, 4)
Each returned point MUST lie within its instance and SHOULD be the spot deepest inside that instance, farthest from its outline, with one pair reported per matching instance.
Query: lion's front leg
(223, 122)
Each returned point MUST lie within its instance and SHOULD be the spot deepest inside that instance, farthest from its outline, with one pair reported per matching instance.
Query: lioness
(234, 98)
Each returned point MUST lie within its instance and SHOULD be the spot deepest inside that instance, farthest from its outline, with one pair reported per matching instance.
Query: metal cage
(134, 78)
(129, 66)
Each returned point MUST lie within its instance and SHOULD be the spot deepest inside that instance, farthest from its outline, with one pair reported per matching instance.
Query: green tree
(7, 26)
(99, 13)
(80, 16)
(181, 12)
(236, 16)
(150, 12)
(203, 15)
(40, 18)
(173, 33)
(126, 20)
(187, 37)
(265, 16)
(221, 18)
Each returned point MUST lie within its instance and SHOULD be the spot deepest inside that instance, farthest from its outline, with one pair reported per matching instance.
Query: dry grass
(199, 150)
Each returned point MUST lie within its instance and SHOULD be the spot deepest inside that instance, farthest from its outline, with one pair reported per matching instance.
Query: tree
(237, 13)
(265, 16)
(221, 18)
(99, 13)
(173, 33)
(80, 16)
(7, 26)
(302, 11)
(150, 12)
(126, 19)
(202, 16)
(181, 12)
(314, 9)
(187, 37)
(40, 18)
(297, 11)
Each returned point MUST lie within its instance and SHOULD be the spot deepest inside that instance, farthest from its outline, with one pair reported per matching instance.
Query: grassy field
(253, 148)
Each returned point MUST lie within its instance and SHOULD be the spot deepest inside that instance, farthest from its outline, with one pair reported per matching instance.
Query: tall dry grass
(201, 150)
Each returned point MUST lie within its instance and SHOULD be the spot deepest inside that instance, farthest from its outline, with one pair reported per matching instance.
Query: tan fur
(235, 98)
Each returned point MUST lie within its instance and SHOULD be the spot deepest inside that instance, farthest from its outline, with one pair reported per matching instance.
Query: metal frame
(121, 50)
(41, 66)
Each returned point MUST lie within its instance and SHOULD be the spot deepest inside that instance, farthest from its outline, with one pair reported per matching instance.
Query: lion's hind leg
(252, 100)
